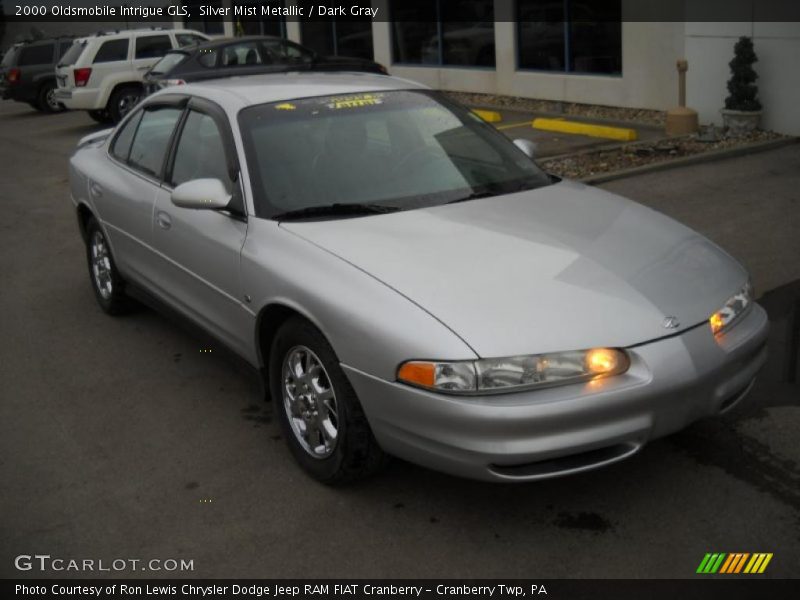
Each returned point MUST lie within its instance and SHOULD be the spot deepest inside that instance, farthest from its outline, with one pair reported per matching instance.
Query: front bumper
(561, 430)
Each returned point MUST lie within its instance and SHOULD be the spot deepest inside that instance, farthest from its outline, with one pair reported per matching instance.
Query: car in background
(27, 73)
(103, 74)
(409, 281)
(246, 56)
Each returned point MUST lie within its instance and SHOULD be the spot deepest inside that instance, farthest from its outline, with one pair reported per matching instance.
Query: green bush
(741, 85)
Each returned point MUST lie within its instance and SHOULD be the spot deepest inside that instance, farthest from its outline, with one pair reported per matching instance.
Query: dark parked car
(246, 56)
(27, 73)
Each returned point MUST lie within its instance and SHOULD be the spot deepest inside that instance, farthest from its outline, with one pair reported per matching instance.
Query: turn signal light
(418, 373)
(13, 75)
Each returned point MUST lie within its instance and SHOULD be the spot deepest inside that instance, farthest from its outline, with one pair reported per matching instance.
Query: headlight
(734, 308)
(514, 373)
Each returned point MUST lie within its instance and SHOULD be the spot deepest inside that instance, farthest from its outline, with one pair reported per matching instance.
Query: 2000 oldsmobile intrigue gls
(410, 281)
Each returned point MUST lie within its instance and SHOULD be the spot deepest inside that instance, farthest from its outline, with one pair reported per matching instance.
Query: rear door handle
(163, 219)
(95, 190)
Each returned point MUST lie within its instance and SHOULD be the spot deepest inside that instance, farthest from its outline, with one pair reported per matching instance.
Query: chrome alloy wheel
(310, 402)
(54, 104)
(101, 266)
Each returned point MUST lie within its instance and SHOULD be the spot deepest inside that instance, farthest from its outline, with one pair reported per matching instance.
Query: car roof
(235, 93)
(245, 38)
(123, 33)
(44, 40)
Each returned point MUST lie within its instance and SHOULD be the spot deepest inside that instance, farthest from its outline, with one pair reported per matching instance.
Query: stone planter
(740, 122)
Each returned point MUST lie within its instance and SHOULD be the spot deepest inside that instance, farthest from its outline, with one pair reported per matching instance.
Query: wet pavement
(123, 438)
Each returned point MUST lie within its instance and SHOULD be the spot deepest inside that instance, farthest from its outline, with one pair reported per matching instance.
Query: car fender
(114, 80)
(370, 326)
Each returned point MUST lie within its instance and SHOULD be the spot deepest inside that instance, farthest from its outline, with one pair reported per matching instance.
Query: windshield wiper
(336, 210)
(492, 190)
(473, 196)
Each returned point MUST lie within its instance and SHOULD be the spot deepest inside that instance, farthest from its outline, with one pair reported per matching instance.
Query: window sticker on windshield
(285, 106)
(355, 101)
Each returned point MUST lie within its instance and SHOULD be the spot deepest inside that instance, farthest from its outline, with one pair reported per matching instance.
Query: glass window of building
(348, 36)
(574, 36)
(451, 32)
(248, 19)
(210, 24)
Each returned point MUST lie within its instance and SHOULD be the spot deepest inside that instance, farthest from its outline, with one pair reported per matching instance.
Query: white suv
(103, 73)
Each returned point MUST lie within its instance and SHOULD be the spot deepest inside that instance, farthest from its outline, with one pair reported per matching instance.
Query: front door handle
(163, 220)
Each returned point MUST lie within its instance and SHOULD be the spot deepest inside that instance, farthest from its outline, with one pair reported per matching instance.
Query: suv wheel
(122, 101)
(101, 116)
(46, 101)
(108, 285)
(320, 415)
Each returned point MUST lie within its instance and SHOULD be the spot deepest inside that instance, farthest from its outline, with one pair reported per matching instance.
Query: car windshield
(398, 149)
(71, 55)
(168, 62)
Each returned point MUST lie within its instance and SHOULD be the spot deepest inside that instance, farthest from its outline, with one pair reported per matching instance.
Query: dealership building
(558, 50)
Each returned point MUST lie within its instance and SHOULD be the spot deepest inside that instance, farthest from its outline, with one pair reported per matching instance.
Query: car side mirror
(201, 193)
(527, 146)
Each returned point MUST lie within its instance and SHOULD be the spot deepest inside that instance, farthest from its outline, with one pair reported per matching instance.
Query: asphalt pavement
(122, 439)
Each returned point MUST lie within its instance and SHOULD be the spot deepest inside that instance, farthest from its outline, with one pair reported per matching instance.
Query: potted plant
(742, 111)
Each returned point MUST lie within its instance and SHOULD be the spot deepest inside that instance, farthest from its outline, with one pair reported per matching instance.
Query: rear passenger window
(152, 46)
(121, 147)
(40, 54)
(201, 152)
(152, 138)
(112, 51)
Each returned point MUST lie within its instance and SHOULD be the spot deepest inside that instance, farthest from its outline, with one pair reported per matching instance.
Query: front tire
(321, 417)
(108, 285)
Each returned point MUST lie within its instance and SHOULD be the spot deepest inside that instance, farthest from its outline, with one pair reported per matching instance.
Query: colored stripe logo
(735, 562)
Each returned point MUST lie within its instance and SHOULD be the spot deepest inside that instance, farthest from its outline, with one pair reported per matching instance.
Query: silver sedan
(408, 281)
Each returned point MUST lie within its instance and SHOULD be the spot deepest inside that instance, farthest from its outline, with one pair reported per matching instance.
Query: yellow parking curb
(604, 131)
(490, 116)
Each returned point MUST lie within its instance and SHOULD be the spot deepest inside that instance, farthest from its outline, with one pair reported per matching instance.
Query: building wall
(709, 49)
(649, 77)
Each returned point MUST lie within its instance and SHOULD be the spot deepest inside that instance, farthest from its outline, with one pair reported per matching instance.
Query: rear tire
(108, 285)
(122, 102)
(101, 116)
(321, 417)
(46, 100)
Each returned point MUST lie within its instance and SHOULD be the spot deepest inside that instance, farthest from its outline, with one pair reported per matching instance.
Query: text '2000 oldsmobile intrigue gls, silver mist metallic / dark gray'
(409, 281)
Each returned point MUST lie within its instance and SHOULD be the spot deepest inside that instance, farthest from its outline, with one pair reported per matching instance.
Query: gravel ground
(615, 113)
(578, 166)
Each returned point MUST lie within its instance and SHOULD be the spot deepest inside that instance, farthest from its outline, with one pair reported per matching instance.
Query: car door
(199, 250)
(124, 192)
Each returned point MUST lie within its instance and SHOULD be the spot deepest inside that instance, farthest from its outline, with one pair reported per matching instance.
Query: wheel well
(84, 214)
(270, 319)
(119, 86)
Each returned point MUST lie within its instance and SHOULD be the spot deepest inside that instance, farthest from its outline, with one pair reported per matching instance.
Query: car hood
(564, 267)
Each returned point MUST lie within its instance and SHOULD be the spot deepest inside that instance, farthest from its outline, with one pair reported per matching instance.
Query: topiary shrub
(741, 85)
